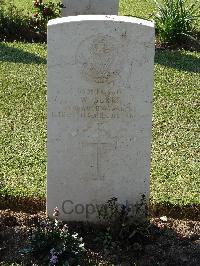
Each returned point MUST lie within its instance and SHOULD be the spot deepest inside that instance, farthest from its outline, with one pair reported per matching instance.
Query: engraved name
(96, 104)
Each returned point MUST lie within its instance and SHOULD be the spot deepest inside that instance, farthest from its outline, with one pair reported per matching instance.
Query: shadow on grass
(190, 211)
(17, 55)
(178, 60)
(26, 204)
(34, 205)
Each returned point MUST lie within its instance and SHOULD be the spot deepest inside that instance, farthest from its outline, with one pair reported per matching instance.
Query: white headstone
(90, 7)
(100, 79)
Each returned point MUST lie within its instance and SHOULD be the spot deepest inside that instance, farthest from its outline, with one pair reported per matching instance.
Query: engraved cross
(101, 149)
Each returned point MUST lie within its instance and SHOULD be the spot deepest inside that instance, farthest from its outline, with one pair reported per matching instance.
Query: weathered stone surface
(90, 7)
(100, 76)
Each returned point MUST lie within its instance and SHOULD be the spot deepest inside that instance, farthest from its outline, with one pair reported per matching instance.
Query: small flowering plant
(56, 245)
(44, 11)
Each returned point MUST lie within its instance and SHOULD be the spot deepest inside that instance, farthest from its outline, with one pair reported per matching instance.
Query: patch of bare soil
(165, 242)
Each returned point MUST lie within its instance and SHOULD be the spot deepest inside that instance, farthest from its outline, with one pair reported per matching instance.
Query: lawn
(136, 8)
(142, 8)
(174, 169)
(23, 118)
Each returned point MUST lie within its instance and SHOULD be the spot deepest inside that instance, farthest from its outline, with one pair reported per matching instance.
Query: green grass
(23, 119)
(175, 169)
(175, 174)
(26, 5)
(136, 8)
(143, 8)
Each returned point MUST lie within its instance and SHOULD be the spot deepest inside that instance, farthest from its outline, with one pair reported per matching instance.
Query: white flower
(75, 235)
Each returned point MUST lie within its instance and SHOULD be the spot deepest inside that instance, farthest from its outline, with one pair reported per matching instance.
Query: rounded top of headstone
(113, 18)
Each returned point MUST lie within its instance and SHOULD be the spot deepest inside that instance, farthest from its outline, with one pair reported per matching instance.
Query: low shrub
(53, 244)
(122, 229)
(43, 12)
(176, 20)
(15, 25)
